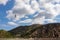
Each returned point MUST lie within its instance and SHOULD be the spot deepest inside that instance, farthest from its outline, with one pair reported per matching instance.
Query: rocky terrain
(51, 30)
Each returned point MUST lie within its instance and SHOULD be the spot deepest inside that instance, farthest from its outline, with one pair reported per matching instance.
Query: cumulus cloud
(46, 9)
(3, 2)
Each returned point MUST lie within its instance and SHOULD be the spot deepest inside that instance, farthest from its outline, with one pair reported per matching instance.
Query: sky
(14, 13)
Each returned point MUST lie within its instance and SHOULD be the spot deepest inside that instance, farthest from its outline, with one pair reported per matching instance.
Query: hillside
(51, 30)
(5, 34)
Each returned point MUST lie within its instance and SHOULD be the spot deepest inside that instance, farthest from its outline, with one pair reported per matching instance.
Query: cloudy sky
(15, 13)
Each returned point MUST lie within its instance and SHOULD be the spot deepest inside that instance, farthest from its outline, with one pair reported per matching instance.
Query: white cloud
(50, 7)
(3, 2)
(12, 24)
(38, 20)
(51, 21)
(10, 15)
(29, 7)
(26, 21)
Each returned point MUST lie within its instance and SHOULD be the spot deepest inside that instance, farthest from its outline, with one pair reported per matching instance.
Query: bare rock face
(51, 30)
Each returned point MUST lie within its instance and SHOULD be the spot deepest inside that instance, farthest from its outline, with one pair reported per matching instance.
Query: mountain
(50, 30)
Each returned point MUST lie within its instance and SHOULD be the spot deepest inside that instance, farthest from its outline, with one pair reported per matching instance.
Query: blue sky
(15, 13)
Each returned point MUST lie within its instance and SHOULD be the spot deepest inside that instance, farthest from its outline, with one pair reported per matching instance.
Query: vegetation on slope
(40, 31)
(5, 34)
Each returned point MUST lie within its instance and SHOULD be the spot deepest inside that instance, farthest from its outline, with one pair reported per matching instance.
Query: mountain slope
(37, 30)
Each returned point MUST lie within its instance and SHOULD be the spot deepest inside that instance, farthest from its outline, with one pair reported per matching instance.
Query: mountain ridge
(37, 30)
